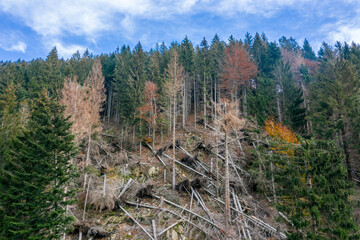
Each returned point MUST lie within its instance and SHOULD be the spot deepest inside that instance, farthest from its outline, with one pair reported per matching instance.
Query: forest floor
(148, 208)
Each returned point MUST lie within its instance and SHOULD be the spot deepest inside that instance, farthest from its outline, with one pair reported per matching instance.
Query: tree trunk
(184, 106)
(227, 185)
(278, 105)
(195, 102)
(173, 140)
(244, 102)
(87, 159)
(204, 101)
(153, 132)
(109, 104)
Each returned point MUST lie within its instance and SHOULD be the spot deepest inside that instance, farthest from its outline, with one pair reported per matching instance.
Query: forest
(237, 139)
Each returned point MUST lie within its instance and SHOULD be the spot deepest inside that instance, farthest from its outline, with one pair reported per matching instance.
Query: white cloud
(57, 20)
(90, 18)
(346, 28)
(12, 42)
(258, 7)
(348, 33)
(18, 47)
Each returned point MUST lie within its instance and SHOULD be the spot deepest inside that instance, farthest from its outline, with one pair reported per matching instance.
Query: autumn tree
(173, 86)
(237, 70)
(149, 112)
(84, 103)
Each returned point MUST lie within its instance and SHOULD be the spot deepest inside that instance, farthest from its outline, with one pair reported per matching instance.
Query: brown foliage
(237, 69)
(228, 116)
(149, 111)
(295, 59)
(84, 103)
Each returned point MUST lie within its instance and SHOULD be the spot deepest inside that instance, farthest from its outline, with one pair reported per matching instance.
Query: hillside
(195, 209)
(246, 139)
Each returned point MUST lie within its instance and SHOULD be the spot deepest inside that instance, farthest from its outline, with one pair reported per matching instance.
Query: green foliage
(10, 120)
(130, 78)
(311, 188)
(261, 100)
(307, 51)
(35, 177)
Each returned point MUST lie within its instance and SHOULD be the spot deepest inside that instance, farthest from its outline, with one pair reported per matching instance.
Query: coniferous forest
(237, 139)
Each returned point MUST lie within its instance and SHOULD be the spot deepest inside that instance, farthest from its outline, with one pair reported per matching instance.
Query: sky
(31, 28)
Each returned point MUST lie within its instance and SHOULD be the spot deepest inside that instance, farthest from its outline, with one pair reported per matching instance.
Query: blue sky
(30, 28)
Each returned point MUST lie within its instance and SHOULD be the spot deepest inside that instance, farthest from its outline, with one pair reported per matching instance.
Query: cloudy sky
(30, 28)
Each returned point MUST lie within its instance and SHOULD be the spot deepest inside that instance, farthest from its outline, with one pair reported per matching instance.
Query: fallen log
(137, 223)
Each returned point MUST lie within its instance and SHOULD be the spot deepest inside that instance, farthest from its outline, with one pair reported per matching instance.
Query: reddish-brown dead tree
(149, 111)
(237, 70)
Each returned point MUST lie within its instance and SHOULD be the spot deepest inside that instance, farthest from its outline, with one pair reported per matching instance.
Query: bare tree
(174, 84)
(228, 119)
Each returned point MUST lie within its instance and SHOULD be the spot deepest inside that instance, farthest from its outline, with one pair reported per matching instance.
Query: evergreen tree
(36, 172)
(262, 100)
(334, 106)
(308, 182)
(10, 120)
(289, 44)
(289, 98)
(307, 51)
(131, 77)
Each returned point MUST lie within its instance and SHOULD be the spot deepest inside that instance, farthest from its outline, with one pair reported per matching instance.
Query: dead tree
(173, 86)
(228, 119)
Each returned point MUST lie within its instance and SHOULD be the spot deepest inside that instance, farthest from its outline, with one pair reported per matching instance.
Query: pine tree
(33, 180)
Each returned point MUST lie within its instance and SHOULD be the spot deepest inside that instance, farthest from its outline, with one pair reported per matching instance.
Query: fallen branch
(256, 221)
(157, 156)
(147, 233)
(180, 163)
(187, 210)
(166, 210)
(127, 185)
(169, 227)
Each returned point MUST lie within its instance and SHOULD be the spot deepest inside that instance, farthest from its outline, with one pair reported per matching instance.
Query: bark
(195, 102)
(244, 100)
(184, 107)
(173, 140)
(227, 185)
(204, 101)
(87, 160)
(278, 105)
(109, 104)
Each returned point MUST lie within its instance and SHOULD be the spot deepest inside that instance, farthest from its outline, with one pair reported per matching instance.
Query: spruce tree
(33, 181)
(307, 51)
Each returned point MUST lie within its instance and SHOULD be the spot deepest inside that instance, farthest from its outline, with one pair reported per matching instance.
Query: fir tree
(307, 51)
(36, 172)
